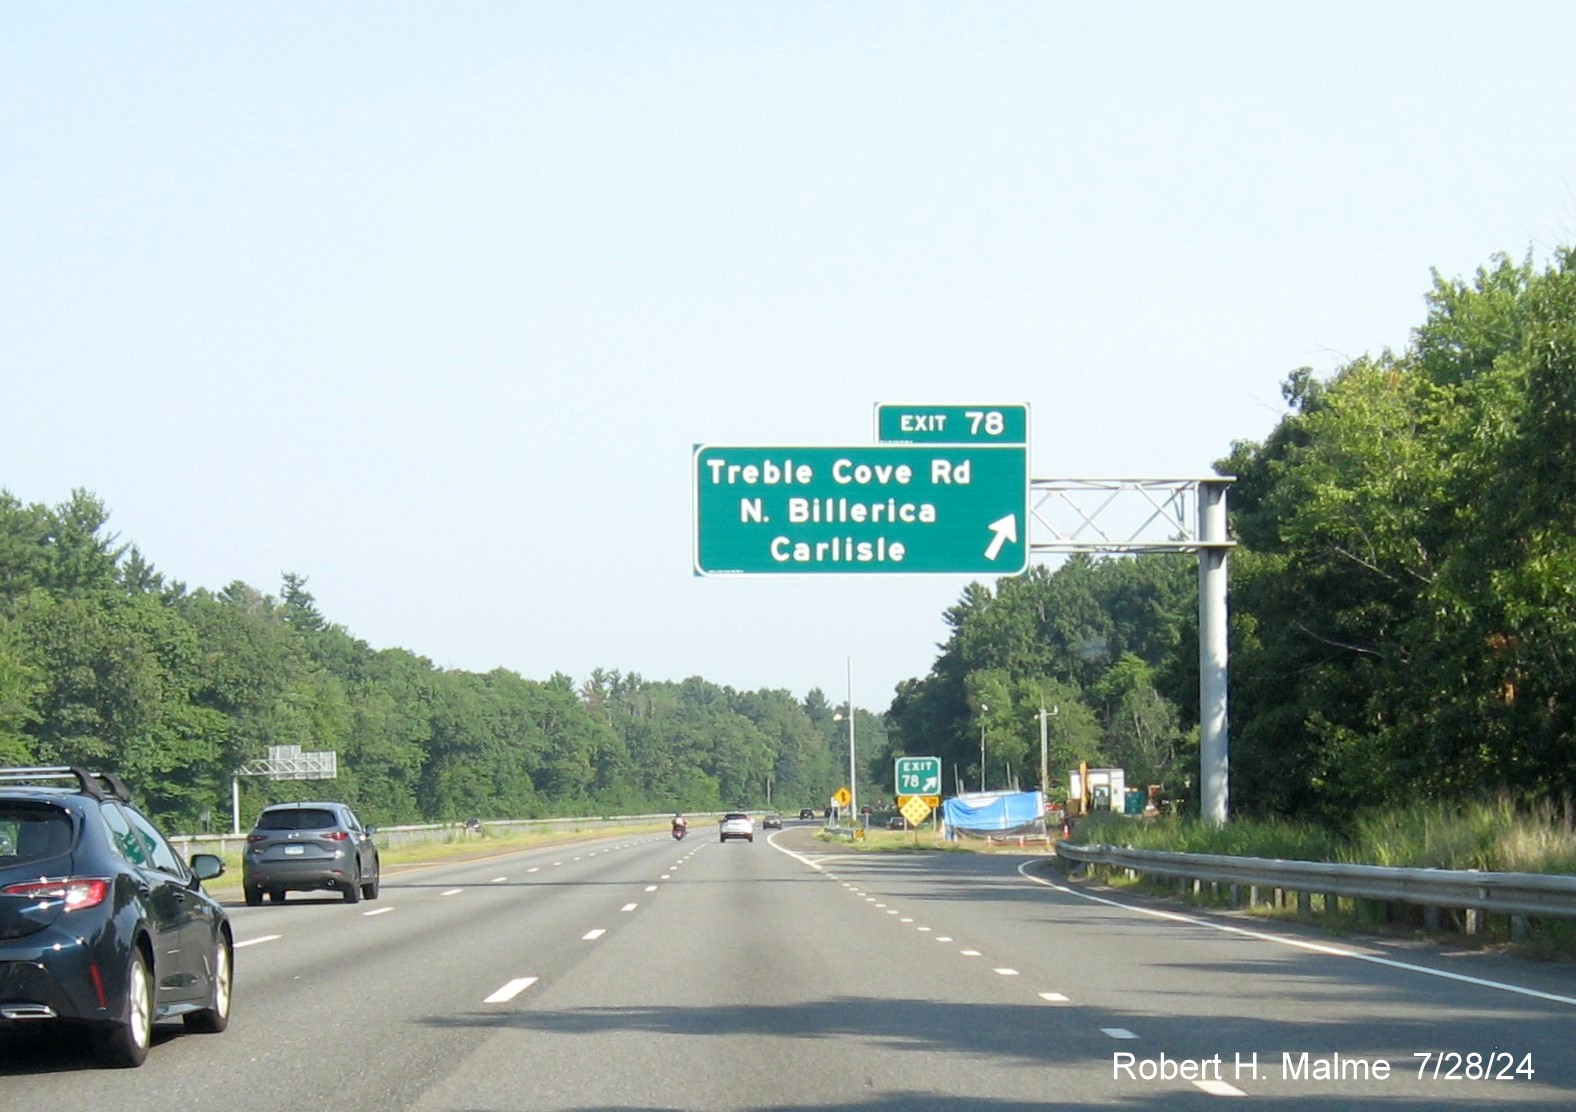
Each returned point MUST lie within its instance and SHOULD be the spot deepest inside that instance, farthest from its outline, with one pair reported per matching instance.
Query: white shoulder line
(1298, 943)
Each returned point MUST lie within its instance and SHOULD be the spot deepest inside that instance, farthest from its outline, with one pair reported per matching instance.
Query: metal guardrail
(188, 844)
(1537, 895)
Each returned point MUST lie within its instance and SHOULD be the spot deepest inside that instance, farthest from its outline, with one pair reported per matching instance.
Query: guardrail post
(1520, 928)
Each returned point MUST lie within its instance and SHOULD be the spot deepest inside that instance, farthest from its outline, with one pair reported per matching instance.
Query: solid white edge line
(1300, 944)
(510, 990)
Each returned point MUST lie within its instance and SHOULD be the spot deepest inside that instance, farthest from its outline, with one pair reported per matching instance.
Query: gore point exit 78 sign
(891, 509)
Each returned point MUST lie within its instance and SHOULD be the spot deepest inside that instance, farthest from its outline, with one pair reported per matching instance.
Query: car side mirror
(206, 866)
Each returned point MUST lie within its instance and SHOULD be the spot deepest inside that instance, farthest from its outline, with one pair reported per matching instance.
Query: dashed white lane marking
(1053, 997)
(1220, 1089)
(666, 876)
(510, 990)
(943, 938)
(377, 911)
(651, 888)
(452, 892)
(629, 907)
(534, 869)
(592, 936)
(923, 930)
(259, 938)
(1008, 972)
(498, 880)
(905, 919)
(1300, 944)
(970, 953)
(1118, 1032)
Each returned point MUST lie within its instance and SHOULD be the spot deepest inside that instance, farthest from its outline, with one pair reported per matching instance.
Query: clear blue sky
(429, 302)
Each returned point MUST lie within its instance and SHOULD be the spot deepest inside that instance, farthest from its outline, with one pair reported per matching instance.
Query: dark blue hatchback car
(103, 927)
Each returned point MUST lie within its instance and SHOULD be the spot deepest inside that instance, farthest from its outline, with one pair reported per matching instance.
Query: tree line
(106, 663)
(1402, 594)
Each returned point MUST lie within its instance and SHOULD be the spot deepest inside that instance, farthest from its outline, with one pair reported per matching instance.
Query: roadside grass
(1492, 835)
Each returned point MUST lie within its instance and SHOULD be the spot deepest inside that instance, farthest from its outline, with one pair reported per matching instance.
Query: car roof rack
(90, 783)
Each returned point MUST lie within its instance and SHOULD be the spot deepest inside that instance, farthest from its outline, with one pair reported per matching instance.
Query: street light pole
(853, 773)
(983, 710)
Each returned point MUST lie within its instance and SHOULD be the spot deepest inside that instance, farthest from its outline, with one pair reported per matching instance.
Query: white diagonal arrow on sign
(1006, 529)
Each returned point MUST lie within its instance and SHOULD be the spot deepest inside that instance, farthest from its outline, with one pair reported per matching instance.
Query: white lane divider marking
(651, 888)
(629, 907)
(943, 938)
(1053, 997)
(258, 939)
(452, 892)
(592, 936)
(1008, 972)
(498, 880)
(1220, 1089)
(970, 953)
(1118, 1032)
(923, 930)
(510, 990)
(377, 911)
(534, 869)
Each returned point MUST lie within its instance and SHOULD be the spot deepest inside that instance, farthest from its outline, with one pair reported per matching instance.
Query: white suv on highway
(736, 824)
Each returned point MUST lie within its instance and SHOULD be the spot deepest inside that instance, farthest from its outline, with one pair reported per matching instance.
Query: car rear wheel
(369, 889)
(125, 1044)
(216, 1016)
(254, 895)
(277, 895)
(353, 891)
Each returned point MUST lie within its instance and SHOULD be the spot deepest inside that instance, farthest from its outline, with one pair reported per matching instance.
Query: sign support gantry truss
(1105, 516)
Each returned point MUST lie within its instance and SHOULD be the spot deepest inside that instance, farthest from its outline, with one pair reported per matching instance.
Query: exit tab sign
(889, 508)
(952, 424)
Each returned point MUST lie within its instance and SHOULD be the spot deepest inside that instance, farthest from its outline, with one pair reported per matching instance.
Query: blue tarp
(995, 812)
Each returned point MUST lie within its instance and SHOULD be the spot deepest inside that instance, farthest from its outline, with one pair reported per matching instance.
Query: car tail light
(250, 838)
(335, 836)
(76, 892)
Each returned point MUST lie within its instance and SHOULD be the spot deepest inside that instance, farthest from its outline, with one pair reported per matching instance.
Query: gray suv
(309, 847)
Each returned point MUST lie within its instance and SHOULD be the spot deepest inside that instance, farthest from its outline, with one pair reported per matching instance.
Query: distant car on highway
(306, 847)
(807, 813)
(736, 824)
(102, 926)
(772, 821)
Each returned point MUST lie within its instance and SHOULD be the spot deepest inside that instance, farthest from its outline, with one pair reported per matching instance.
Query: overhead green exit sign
(884, 509)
